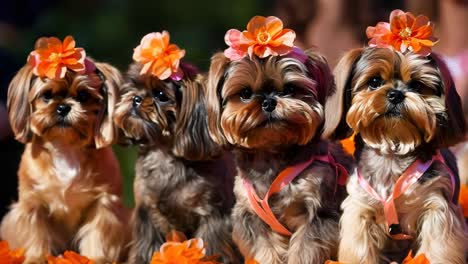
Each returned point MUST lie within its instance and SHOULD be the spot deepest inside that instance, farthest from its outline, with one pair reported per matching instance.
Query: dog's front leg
(255, 239)
(26, 227)
(314, 242)
(104, 233)
(216, 232)
(361, 238)
(443, 236)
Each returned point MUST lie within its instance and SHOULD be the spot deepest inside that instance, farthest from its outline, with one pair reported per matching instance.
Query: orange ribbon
(261, 206)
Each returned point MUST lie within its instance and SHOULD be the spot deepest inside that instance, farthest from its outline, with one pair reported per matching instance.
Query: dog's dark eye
(416, 86)
(375, 82)
(246, 94)
(160, 96)
(82, 96)
(47, 95)
(288, 90)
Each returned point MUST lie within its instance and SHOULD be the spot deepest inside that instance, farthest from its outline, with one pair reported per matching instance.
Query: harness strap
(261, 206)
(410, 176)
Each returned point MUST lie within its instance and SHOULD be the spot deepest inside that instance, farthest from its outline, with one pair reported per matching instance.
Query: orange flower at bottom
(177, 252)
(250, 261)
(463, 199)
(69, 257)
(8, 256)
(419, 259)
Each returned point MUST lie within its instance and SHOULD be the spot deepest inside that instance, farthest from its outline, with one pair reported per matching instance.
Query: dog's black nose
(269, 104)
(395, 96)
(137, 101)
(63, 109)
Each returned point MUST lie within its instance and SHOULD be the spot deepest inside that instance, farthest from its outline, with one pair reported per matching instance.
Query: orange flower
(348, 144)
(159, 57)
(51, 58)
(250, 261)
(463, 199)
(69, 257)
(404, 32)
(8, 256)
(178, 250)
(420, 259)
(264, 36)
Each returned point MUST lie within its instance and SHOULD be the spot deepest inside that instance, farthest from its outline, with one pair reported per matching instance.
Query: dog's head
(395, 101)
(264, 93)
(165, 111)
(61, 102)
(267, 103)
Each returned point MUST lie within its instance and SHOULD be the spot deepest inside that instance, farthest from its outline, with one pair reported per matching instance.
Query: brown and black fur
(183, 180)
(391, 135)
(265, 141)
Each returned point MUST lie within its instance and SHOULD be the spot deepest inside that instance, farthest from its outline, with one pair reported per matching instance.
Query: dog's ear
(319, 70)
(192, 140)
(216, 76)
(106, 132)
(339, 102)
(453, 129)
(19, 106)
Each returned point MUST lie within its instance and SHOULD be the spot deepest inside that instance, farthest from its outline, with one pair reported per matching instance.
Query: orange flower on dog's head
(404, 32)
(264, 36)
(159, 57)
(51, 58)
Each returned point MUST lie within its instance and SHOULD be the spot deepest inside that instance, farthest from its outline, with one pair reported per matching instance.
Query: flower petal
(273, 25)
(286, 38)
(234, 54)
(256, 23)
(232, 37)
(68, 43)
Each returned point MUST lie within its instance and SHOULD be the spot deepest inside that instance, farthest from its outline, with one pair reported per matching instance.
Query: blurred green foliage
(110, 29)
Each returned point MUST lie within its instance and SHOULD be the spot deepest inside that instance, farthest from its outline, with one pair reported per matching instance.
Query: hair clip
(404, 32)
(159, 57)
(51, 58)
(264, 37)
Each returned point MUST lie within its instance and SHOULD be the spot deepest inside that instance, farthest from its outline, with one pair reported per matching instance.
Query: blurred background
(110, 29)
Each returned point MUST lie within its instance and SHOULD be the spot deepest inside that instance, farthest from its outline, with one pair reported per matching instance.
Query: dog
(267, 108)
(183, 180)
(404, 110)
(69, 180)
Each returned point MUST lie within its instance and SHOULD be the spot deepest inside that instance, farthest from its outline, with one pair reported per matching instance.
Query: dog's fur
(69, 179)
(265, 142)
(390, 136)
(183, 181)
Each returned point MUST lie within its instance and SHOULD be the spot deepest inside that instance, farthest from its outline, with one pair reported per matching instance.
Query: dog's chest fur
(382, 172)
(177, 192)
(313, 191)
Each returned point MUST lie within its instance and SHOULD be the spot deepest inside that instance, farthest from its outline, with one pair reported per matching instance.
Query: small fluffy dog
(182, 182)
(404, 109)
(69, 178)
(269, 111)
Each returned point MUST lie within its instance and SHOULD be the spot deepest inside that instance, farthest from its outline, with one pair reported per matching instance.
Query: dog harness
(408, 178)
(261, 207)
